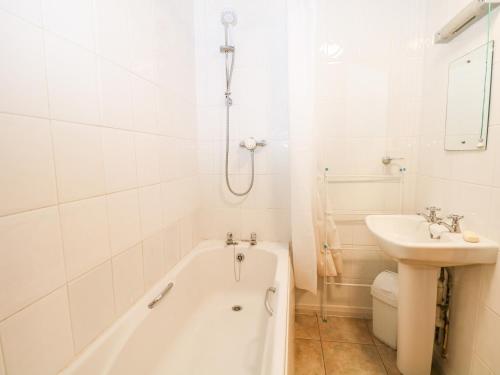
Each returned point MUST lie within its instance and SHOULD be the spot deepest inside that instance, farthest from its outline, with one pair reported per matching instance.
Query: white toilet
(385, 290)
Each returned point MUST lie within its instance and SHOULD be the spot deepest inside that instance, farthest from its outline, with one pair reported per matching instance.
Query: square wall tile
(72, 76)
(151, 212)
(79, 161)
(494, 148)
(91, 304)
(216, 222)
(142, 40)
(38, 339)
(169, 159)
(73, 20)
(487, 339)
(145, 98)
(124, 220)
(478, 367)
(189, 195)
(31, 258)
(113, 35)
(128, 279)
(495, 94)
(172, 246)
(186, 235)
(116, 96)
(26, 164)
(172, 204)
(187, 154)
(22, 67)
(476, 167)
(166, 111)
(491, 286)
(148, 159)
(120, 165)
(30, 10)
(85, 235)
(472, 201)
(270, 225)
(153, 258)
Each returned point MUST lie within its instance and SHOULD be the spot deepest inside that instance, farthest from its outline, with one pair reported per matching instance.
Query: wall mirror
(467, 112)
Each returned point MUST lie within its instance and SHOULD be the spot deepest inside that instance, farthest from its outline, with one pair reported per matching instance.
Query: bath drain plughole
(237, 308)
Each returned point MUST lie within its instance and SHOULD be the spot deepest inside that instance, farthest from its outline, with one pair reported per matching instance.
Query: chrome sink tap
(431, 217)
(454, 227)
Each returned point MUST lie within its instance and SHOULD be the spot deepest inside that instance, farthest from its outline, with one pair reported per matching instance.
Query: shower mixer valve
(251, 143)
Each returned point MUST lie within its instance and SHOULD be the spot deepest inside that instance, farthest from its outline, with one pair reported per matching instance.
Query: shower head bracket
(226, 49)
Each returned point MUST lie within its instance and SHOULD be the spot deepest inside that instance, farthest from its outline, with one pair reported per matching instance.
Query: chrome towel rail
(331, 179)
(269, 309)
(160, 296)
(353, 216)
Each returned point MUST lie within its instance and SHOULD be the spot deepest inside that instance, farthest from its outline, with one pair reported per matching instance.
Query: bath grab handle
(160, 296)
(269, 309)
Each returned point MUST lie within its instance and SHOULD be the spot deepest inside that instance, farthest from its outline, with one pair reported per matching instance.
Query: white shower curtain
(302, 138)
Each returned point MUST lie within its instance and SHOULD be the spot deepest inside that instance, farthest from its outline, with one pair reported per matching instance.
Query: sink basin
(406, 238)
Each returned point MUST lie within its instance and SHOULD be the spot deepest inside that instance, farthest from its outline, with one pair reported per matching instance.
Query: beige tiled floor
(341, 346)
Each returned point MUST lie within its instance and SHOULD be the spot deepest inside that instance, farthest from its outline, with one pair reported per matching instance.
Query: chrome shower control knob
(249, 143)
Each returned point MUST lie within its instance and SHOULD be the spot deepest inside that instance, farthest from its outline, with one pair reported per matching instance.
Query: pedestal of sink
(416, 318)
(406, 239)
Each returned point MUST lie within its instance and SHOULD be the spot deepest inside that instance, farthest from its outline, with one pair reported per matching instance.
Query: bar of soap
(470, 236)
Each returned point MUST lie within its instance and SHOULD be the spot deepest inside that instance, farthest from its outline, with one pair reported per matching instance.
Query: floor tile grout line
(321, 346)
(349, 342)
(346, 342)
(377, 348)
(382, 360)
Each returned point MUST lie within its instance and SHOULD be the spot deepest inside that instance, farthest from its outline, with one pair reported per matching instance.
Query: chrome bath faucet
(230, 240)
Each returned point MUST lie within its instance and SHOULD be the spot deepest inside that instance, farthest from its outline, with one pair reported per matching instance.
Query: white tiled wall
(369, 66)
(466, 183)
(259, 110)
(98, 167)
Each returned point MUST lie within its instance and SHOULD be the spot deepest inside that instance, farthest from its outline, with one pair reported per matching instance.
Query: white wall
(368, 100)
(259, 110)
(467, 183)
(98, 167)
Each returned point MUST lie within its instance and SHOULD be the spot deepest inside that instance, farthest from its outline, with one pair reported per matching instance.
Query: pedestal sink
(406, 238)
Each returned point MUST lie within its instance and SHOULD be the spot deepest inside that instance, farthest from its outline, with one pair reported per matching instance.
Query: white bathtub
(193, 329)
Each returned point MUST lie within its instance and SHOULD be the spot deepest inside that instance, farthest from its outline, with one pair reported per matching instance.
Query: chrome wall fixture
(160, 296)
(267, 303)
(228, 18)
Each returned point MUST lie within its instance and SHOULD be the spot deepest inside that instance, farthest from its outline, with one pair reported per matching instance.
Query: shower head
(228, 18)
